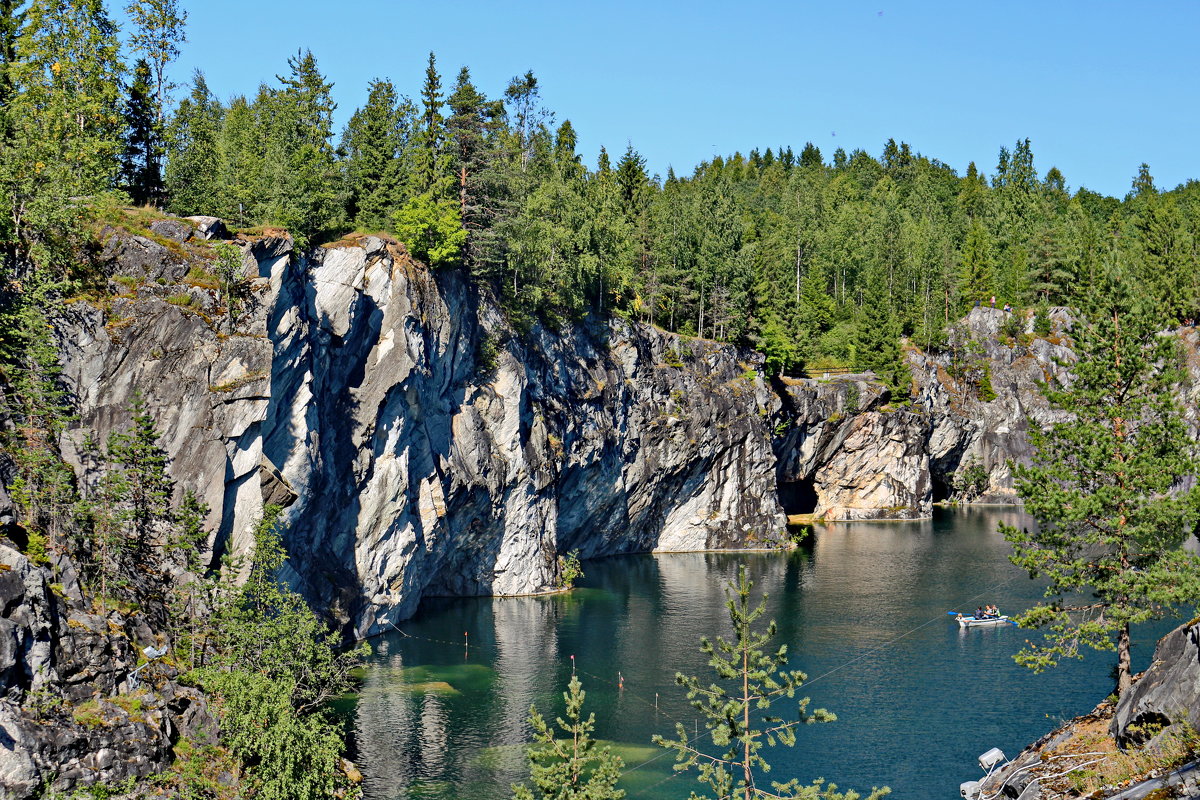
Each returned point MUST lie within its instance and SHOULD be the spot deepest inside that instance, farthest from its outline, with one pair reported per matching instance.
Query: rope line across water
(482, 649)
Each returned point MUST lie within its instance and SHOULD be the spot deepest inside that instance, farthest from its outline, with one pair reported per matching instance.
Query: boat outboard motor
(970, 790)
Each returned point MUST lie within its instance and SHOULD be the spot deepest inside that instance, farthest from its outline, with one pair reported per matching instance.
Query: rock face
(979, 396)
(850, 456)
(421, 447)
(68, 714)
(1167, 693)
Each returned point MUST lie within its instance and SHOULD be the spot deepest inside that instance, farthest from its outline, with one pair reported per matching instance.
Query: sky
(1098, 87)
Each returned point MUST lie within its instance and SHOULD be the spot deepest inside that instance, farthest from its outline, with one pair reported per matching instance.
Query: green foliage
(141, 170)
(229, 271)
(1042, 324)
(1103, 485)
(569, 570)
(1013, 325)
(487, 357)
(192, 154)
(289, 756)
(573, 767)
(374, 151)
(275, 666)
(970, 481)
(431, 230)
(736, 710)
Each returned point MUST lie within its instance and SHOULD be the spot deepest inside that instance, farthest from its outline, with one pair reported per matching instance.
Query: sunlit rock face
(420, 445)
(845, 454)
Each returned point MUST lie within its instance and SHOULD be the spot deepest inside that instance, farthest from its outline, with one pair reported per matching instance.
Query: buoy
(572, 666)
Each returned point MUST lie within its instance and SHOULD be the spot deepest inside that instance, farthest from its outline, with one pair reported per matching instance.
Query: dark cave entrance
(798, 497)
(941, 489)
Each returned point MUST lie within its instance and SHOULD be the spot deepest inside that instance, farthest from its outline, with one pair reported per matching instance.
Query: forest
(816, 260)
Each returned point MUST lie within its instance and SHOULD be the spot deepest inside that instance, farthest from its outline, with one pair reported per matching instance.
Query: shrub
(569, 570)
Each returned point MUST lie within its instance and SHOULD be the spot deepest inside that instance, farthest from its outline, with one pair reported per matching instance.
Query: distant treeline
(809, 257)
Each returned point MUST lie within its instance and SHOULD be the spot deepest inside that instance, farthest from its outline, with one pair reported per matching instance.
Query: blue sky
(1099, 87)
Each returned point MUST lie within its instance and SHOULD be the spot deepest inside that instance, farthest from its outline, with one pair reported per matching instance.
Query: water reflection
(863, 611)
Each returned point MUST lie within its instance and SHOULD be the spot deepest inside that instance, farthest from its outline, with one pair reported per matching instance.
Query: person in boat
(979, 613)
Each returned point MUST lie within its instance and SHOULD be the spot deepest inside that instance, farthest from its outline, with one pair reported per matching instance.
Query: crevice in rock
(798, 497)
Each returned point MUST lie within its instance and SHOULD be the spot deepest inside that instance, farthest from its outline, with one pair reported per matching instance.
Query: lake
(861, 608)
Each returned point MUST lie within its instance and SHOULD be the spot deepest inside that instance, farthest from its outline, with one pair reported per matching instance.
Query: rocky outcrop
(853, 455)
(980, 394)
(1168, 693)
(420, 445)
(70, 715)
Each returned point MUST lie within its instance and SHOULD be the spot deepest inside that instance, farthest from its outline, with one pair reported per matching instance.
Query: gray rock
(139, 257)
(1167, 693)
(209, 227)
(172, 229)
(413, 469)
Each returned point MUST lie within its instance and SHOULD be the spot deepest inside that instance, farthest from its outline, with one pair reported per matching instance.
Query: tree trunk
(1124, 673)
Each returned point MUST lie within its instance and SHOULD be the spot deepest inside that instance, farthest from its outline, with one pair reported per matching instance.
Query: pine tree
(737, 710)
(574, 767)
(1103, 486)
(473, 130)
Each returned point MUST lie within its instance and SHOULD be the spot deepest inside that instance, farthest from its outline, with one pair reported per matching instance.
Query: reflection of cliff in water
(862, 610)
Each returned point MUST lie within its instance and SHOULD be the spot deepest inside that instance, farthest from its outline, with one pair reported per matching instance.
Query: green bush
(569, 570)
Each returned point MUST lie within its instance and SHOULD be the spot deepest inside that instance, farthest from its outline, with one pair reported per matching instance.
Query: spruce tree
(430, 166)
(737, 710)
(1105, 486)
(241, 155)
(301, 175)
(976, 278)
(158, 32)
(140, 465)
(140, 170)
(374, 151)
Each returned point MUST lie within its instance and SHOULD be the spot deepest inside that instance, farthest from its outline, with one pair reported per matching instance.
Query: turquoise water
(862, 611)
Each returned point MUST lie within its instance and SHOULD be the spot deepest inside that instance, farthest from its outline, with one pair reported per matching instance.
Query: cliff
(420, 444)
(423, 446)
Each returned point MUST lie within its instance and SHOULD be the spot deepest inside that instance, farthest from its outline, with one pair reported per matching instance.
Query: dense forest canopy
(816, 259)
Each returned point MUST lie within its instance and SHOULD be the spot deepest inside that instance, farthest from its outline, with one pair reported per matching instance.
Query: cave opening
(941, 489)
(798, 497)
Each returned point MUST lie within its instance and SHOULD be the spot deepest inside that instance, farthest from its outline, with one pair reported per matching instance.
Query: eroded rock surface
(1168, 693)
(421, 446)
